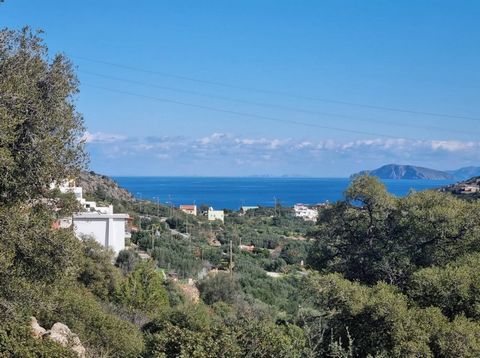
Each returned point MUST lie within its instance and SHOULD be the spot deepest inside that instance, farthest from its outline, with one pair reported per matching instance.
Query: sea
(232, 193)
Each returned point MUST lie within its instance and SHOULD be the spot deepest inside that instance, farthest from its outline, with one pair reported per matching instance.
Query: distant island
(397, 171)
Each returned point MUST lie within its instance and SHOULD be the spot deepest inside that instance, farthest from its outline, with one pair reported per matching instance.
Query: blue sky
(225, 88)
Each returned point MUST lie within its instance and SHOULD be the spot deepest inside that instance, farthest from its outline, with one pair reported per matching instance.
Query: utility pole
(186, 231)
(153, 238)
(231, 259)
(140, 202)
(235, 235)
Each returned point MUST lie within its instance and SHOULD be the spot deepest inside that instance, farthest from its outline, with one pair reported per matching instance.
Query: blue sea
(231, 193)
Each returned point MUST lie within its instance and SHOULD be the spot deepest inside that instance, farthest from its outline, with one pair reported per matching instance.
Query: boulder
(37, 330)
(59, 333)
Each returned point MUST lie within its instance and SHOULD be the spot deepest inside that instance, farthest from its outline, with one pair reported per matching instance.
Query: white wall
(107, 230)
(216, 215)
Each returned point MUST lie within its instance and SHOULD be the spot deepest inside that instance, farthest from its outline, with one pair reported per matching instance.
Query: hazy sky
(274, 87)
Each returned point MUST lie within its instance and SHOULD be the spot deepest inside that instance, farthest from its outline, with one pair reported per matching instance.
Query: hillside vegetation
(376, 276)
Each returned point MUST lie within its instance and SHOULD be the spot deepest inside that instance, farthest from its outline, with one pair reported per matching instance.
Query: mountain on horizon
(396, 171)
(465, 172)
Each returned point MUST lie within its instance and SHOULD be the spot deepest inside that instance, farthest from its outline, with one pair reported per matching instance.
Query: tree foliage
(40, 130)
(373, 236)
(143, 289)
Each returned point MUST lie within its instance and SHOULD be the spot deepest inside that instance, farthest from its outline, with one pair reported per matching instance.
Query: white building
(216, 215)
(304, 212)
(99, 222)
(68, 186)
(244, 209)
(107, 229)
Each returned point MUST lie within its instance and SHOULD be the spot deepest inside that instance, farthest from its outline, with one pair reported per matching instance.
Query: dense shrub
(16, 341)
(127, 260)
(102, 333)
(97, 272)
(221, 287)
(143, 289)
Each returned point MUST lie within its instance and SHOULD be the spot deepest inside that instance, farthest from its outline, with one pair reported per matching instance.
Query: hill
(465, 172)
(467, 189)
(102, 187)
(396, 171)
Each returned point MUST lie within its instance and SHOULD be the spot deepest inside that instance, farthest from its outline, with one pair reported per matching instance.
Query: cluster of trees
(373, 236)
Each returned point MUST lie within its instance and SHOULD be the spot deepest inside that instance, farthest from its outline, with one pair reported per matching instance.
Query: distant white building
(99, 222)
(244, 209)
(215, 215)
(68, 186)
(304, 212)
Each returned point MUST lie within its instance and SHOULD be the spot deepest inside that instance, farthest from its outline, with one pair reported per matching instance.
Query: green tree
(127, 260)
(33, 255)
(372, 236)
(143, 289)
(40, 130)
(379, 319)
(97, 272)
(455, 288)
(221, 287)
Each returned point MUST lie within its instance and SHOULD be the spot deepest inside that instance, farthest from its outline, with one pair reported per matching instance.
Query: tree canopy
(40, 130)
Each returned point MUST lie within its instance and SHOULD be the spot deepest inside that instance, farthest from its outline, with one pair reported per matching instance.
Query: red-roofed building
(189, 209)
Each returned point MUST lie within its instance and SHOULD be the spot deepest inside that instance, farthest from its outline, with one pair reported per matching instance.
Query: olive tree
(40, 129)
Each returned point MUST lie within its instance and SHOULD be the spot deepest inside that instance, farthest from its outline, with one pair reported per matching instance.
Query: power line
(262, 104)
(245, 114)
(281, 93)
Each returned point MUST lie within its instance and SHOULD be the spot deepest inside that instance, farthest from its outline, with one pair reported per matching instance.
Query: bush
(16, 341)
(221, 287)
(127, 260)
(454, 288)
(97, 272)
(100, 332)
(143, 289)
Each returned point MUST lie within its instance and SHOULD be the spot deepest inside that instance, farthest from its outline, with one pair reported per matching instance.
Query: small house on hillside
(99, 222)
(304, 212)
(215, 215)
(189, 209)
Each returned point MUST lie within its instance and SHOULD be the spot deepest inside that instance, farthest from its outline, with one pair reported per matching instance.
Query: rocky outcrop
(102, 187)
(59, 333)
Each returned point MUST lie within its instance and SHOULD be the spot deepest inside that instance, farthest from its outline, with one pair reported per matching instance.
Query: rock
(102, 187)
(37, 330)
(61, 334)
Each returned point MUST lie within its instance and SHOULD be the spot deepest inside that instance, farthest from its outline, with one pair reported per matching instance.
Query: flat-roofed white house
(107, 229)
(215, 215)
(99, 222)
